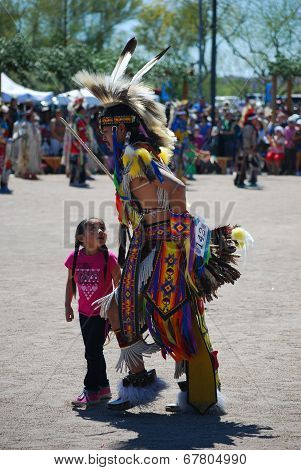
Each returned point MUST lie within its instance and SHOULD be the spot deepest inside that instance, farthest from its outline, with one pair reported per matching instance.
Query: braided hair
(80, 230)
(105, 251)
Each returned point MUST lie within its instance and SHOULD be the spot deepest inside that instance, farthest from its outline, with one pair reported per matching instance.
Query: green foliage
(285, 68)
(52, 23)
(58, 65)
(163, 23)
(47, 23)
(101, 18)
(59, 37)
(11, 13)
(16, 55)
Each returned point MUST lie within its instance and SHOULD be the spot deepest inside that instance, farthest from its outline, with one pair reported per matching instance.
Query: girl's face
(94, 235)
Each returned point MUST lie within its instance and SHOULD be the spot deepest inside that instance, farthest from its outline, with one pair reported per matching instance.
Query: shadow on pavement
(171, 432)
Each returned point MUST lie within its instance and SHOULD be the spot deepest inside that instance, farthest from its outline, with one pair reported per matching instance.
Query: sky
(227, 62)
(231, 66)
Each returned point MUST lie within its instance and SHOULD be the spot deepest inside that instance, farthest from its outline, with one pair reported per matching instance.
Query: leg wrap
(141, 379)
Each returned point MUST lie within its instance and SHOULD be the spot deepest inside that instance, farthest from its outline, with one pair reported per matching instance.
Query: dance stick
(87, 148)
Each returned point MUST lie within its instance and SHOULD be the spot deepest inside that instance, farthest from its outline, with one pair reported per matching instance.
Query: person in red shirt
(92, 270)
(78, 157)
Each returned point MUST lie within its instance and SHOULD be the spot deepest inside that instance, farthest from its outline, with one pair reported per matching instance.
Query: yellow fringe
(133, 158)
(165, 155)
(187, 274)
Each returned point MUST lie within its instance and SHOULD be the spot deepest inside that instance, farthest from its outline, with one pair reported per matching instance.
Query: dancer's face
(107, 132)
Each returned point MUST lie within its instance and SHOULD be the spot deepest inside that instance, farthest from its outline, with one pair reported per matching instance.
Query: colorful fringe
(128, 289)
(187, 266)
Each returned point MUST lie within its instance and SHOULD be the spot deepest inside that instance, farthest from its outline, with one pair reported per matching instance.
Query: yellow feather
(131, 156)
(145, 155)
(165, 155)
(239, 235)
(133, 159)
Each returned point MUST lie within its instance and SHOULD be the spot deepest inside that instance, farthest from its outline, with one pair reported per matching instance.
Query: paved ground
(254, 325)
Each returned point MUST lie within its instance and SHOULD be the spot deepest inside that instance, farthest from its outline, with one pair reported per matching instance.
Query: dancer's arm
(116, 275)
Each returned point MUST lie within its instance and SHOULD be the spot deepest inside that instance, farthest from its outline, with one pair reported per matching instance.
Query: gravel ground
(254, 325)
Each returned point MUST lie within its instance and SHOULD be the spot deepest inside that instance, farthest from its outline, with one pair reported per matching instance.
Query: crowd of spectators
(278, 142)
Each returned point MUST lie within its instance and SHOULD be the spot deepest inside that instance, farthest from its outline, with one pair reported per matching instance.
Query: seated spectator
(205, 130)
(275, 154)
(198, 139)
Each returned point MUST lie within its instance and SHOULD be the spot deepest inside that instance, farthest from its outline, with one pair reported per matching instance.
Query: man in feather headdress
(174, 262)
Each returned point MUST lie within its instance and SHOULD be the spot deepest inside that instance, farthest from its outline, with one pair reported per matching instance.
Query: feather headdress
(117, 90)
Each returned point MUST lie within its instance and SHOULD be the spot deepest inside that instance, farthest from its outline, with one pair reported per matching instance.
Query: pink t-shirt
(89, 278)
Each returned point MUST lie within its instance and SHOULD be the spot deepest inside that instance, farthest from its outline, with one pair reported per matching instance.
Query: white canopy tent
(69, 96)
(10, 89)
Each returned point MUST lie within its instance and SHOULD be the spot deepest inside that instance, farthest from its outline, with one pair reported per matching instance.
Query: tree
(11, 13)
(103, 16)
(162, 24)
(259, 31)
(53, 23)
(63, 22)
(286, 69)
(56, 66)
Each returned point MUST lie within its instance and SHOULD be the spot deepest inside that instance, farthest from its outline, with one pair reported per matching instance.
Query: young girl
(92, 269)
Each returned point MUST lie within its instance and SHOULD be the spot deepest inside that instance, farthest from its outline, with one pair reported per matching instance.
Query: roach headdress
(129, 100)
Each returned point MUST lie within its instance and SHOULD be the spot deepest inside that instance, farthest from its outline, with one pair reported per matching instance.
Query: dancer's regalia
(172, 267)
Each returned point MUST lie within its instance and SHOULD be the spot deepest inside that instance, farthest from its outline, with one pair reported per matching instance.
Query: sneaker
(87, 398)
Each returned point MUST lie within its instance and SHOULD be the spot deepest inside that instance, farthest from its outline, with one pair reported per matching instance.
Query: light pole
(65, 19)
(213, 61)
(201, 51)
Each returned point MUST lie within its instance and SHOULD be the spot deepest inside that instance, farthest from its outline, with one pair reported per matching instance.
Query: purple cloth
(289, 133)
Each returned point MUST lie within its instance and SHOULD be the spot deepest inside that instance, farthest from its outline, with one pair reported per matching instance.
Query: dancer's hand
(69, 313)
